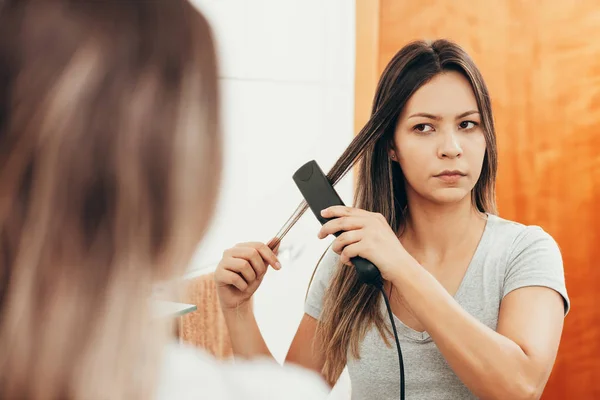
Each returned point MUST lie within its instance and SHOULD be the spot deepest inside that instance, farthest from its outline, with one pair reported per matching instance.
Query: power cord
(400, 359)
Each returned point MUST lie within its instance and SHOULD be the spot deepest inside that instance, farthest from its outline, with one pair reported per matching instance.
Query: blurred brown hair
(109, 164)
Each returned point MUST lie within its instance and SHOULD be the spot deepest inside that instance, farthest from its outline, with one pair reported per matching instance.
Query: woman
(479, 301)
(109, 161)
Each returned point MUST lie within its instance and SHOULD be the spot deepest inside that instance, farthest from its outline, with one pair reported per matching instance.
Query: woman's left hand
(365, 234)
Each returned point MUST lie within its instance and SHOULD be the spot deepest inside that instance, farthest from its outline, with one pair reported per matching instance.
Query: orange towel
(205, 327)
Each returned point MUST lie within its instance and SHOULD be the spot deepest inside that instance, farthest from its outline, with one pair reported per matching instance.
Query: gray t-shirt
(509, 256)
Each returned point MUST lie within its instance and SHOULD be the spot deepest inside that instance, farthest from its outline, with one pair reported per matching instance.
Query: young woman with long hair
(478, 300)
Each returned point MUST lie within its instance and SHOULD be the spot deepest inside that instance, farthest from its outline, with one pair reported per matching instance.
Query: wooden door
(541, 61)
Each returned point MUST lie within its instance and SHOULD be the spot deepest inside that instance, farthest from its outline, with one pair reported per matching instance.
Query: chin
(449, 195)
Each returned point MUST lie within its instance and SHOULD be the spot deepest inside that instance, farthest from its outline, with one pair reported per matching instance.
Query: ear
(392, 154)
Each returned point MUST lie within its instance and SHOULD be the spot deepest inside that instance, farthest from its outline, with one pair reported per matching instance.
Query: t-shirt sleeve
(323, 274)
(536, 260)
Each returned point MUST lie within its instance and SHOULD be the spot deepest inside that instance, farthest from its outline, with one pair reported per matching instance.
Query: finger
(342, 211)
(341, 224)
(345, 239)
(269, 255)
(242, 267)
(259, 265)
(252, 256)
(350, 252)
(336, 211)
(230, 278)
(266, 253)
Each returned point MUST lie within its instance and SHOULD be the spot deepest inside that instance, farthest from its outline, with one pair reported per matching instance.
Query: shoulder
(319, 283)
(532, 257)
(327, 265)
(189, 373)
(515, 237)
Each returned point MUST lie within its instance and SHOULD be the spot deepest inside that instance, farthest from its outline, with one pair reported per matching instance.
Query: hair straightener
(319, 195)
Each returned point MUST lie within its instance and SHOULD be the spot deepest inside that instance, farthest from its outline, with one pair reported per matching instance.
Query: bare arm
(238, 276)
(248, 342)
(513, 362)
(302, 351)
(245, 336)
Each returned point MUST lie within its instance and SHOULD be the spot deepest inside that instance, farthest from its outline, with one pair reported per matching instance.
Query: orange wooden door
(541, 61)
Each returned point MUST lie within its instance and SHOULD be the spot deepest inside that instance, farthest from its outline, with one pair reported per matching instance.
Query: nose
(450, 145)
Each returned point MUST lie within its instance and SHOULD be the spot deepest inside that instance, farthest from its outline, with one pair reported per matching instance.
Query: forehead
(447, 94)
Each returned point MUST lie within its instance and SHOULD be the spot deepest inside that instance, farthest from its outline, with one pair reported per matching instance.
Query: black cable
(400, 359)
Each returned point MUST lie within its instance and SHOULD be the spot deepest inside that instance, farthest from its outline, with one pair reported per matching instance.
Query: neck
(433, 230)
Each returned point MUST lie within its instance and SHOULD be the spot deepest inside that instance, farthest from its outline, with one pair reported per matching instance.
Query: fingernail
(323, 212)
(278, 265)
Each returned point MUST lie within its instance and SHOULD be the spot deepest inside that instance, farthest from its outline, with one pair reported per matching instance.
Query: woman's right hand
(240, 272)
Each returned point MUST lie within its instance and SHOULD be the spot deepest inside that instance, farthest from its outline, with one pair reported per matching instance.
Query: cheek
(414, 162)
(475, 153)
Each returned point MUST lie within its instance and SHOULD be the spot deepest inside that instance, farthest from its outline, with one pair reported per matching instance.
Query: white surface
(162, 309)
(287, 78)
(191, 374)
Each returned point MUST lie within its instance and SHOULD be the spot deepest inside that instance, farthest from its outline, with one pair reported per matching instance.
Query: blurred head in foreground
(109, 167)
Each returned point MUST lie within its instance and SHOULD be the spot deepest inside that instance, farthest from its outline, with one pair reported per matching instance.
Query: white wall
(287, 78)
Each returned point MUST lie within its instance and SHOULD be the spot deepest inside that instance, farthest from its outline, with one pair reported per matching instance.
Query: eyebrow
(437, 117)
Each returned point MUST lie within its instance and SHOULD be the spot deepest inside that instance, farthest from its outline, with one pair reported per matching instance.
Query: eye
(423, 128)
(468, 125)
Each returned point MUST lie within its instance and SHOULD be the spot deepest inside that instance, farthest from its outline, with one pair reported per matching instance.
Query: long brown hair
(109, 164)
(349, 307)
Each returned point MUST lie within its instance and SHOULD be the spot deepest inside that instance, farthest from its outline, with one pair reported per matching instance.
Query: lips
(450, 173)
(450, 176)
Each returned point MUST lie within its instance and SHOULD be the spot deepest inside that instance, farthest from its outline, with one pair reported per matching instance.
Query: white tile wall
(229, 21)
(285, 40)
(287, 78)
(339, 42)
